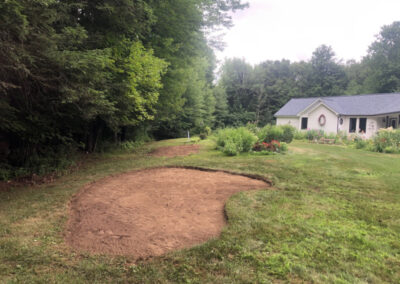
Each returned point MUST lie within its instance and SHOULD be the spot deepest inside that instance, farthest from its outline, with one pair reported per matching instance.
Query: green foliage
(314, 134)
(300, 135)
(205, 132)
(283, 147)
(387, 141)
(269, 133)
(383, 61)
(230, 148)
(281, 133)
(361, 144)
(255, 94)
(327, 76)
(252, 127)
(288, 133)
(81, 74)
(233, 141)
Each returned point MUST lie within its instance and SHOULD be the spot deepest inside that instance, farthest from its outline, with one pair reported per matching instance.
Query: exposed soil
(173, 151)
(150, 212)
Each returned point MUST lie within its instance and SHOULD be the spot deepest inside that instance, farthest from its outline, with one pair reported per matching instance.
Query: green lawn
(333, 216)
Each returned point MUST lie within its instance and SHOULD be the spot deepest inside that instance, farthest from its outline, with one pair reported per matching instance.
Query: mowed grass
(333, 216)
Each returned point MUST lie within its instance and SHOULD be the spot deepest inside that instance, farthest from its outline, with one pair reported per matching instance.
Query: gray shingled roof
(372, 104)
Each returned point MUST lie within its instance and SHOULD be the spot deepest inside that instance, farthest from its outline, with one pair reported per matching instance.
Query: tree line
(78, 74)
(75, 74)
(247, 93)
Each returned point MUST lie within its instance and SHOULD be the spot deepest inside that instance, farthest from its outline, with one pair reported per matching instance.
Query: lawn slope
(333, 216)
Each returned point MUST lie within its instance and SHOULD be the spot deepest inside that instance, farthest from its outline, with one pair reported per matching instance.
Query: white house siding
(331, 119)
(332, 125)
(293, 121)
(373, 125)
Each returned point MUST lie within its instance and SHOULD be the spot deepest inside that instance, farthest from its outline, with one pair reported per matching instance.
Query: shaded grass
(335, 217)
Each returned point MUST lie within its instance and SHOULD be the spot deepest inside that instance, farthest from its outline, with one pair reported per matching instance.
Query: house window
(304, 122)
(353, 125)
(363, 125)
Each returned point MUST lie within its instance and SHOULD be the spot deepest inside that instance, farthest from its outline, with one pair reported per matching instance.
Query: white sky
(293, 29)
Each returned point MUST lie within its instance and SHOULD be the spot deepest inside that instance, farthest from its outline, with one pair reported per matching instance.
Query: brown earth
(173, 151)
(150, 212)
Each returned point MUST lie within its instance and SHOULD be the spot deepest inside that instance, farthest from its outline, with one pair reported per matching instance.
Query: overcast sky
(293, 29)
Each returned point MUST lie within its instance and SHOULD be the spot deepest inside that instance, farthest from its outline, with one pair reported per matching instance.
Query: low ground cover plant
(273, 146)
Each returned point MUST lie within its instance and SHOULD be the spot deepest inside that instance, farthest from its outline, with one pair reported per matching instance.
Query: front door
(393, 123)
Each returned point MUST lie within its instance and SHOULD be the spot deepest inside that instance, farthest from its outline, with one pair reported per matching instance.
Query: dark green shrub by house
(288, 133)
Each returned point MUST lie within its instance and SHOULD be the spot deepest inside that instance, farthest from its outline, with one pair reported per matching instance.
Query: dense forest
(78, 75)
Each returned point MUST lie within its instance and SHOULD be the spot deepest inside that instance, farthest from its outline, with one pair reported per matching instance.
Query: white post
(188, 135)
(357, 125)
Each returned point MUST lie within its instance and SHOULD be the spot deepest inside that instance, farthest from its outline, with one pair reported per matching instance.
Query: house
(364, 114)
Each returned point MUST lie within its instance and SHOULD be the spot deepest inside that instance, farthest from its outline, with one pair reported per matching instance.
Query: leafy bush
(299, 135)
(284, 147)
(284, 133)
(205, 132)
(390, 150)
(253, 127)
(130, 145)
(234, 141)
(387, 140)
(230, 148)
(288, 133)
(269, 133)
(361, 144)
(314, 134)
(45, 161)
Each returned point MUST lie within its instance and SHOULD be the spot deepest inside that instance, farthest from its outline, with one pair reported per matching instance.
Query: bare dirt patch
(173, 151)
(150, 212)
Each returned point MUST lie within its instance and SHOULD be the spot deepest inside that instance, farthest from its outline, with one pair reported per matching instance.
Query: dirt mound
(173, 151)
(149, 212)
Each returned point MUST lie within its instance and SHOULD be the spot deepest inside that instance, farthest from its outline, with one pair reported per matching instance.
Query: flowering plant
(273, 146)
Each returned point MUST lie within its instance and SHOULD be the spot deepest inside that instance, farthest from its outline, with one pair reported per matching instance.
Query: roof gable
(372, 104)
(294, 106)
(315, 105)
